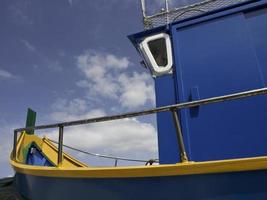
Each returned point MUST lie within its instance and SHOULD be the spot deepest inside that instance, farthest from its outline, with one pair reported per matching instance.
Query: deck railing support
(60, 146)
(180, 138)
(15, 145)
(116, 162)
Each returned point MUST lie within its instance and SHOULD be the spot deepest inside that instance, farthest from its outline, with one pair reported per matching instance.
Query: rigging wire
(150, 161)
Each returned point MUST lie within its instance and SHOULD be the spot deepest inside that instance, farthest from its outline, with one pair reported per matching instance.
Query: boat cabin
(198, 55)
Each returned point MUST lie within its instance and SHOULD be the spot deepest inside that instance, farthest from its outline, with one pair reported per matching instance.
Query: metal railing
(171, 14)
(171, 108)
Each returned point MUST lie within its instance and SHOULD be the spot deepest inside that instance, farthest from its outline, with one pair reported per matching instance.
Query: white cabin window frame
(156, 69)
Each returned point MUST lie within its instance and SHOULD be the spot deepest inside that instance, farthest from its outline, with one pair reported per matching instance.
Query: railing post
(116, 162)
(60, 146)
(179, 134)
(15, 145)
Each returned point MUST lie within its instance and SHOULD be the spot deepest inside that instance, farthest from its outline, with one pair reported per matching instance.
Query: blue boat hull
(231, 186)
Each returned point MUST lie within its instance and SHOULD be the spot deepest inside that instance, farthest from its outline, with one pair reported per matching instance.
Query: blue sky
(71, 59)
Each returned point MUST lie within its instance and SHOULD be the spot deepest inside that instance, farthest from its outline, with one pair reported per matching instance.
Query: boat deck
(7, 191)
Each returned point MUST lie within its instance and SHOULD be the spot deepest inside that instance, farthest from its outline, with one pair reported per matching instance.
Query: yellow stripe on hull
(74, 169)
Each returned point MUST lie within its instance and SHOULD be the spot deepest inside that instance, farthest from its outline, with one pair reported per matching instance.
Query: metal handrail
(172, 108)
(153, 110)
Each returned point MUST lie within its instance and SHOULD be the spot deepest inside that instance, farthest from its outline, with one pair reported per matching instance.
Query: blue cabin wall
(217, 53)
(217, 56)
(168, 146)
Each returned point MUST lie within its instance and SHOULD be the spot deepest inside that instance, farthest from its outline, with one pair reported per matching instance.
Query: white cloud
(70, 2)
(53, 64)
(96, 64)
(49, 63)
(136, 90)
(74, 106)
(73, 110)
(28, 45)
(108, 76)
(6, 144)
(19, 14)
(117, 137)
(121, 137)
(114, 61)
(108, 80)
(5, 74)
(98, 69)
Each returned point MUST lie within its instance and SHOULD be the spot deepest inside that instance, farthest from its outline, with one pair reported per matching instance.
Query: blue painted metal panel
(257, 27)
(168, 147)
(217, 57)
(223, 51)
(230, 186)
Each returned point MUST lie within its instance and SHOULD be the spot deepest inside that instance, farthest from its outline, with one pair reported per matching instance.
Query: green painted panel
(31, 119)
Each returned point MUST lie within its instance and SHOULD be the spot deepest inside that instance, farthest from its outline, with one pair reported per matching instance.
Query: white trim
(156, 69)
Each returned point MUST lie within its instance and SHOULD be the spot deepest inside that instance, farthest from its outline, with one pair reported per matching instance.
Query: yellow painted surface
(47, 148)
(189, 168)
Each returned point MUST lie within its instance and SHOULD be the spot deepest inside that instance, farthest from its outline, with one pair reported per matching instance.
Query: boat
(209, 63)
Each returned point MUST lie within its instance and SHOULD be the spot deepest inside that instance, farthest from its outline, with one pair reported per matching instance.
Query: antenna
(167, 11)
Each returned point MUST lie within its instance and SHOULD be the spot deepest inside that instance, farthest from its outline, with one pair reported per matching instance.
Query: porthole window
(157, 53)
